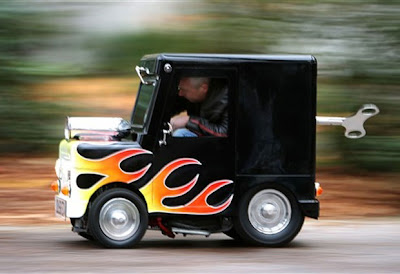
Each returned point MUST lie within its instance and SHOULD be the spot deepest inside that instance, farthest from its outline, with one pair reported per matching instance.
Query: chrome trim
(139, 73)
(94, 128)
(165, 133)
(119, 219)
(269, 211)
(190, 232)
(142, 71)
(168, 68)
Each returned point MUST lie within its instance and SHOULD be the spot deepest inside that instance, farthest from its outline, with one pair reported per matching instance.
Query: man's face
(190, 92)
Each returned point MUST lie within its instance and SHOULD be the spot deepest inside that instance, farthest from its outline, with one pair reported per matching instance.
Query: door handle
(165, 133)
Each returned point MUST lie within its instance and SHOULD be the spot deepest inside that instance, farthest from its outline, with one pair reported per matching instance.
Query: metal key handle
(354, 125)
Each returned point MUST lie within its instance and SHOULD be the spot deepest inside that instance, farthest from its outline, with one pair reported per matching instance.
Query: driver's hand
(179, 121)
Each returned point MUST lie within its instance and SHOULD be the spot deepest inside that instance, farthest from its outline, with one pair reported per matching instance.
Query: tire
(269, 216)
(118, 218)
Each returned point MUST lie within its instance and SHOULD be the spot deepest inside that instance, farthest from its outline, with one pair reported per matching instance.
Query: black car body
(256, 184)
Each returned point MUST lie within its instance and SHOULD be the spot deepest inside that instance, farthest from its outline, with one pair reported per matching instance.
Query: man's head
(193, 89)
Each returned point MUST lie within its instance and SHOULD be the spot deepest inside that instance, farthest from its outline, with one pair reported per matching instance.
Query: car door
(195, 173)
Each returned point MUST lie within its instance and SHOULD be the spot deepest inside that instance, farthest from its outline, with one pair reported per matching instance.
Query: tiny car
(256, 183)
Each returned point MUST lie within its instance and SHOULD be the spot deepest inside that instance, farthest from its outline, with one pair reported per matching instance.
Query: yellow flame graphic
(110, 168)
(158, 191)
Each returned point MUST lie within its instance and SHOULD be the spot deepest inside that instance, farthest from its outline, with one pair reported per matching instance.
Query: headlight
(67, 129)
(57, 168)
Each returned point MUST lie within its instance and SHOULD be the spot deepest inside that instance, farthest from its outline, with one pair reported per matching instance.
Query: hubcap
(119, 219)
(269, 211)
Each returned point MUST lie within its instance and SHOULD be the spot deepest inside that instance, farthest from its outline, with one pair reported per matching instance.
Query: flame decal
(109, 167)
(158, 190)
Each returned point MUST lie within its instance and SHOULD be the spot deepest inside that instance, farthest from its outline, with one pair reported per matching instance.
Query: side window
(201, 107)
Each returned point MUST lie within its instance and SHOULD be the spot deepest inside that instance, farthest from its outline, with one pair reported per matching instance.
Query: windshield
(143, 107)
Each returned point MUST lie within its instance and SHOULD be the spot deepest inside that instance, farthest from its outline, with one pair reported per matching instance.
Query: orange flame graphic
(157, 189)
(109, 167)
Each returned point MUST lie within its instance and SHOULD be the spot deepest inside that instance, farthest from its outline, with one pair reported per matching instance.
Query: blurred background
(77, 58)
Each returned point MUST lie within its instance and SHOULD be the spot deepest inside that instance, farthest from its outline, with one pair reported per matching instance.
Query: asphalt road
(356, 246)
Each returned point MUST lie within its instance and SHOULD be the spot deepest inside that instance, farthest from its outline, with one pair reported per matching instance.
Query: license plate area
(60, 207)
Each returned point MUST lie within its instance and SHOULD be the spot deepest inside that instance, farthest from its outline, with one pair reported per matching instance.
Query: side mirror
(166, 132)
(354, 125)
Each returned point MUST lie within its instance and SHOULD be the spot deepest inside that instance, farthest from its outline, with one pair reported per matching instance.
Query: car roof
(229, 57)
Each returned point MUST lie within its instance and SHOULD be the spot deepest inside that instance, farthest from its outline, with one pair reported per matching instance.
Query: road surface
(356, 246)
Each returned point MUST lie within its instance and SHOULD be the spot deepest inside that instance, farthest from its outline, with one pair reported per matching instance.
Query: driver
(207, 113)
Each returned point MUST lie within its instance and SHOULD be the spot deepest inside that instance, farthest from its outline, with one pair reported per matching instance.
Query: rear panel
(276, 118)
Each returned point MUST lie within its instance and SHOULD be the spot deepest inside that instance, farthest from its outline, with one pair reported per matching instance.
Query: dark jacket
(210, 117)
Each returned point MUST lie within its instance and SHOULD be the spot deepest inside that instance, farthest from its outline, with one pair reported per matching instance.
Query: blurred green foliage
(25, 124)
(356, 44)
(120, 54)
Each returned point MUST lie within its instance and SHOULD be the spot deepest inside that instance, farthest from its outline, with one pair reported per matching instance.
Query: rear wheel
(118, 218)
(269, 216)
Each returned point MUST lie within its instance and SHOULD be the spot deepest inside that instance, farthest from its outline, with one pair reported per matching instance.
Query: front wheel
(118, 218)
(269, 217)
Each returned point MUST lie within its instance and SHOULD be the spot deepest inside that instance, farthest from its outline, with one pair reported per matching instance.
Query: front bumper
(75, 206)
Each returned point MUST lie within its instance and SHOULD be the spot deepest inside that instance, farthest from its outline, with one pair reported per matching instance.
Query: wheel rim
(119, 219)
(269, 211)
